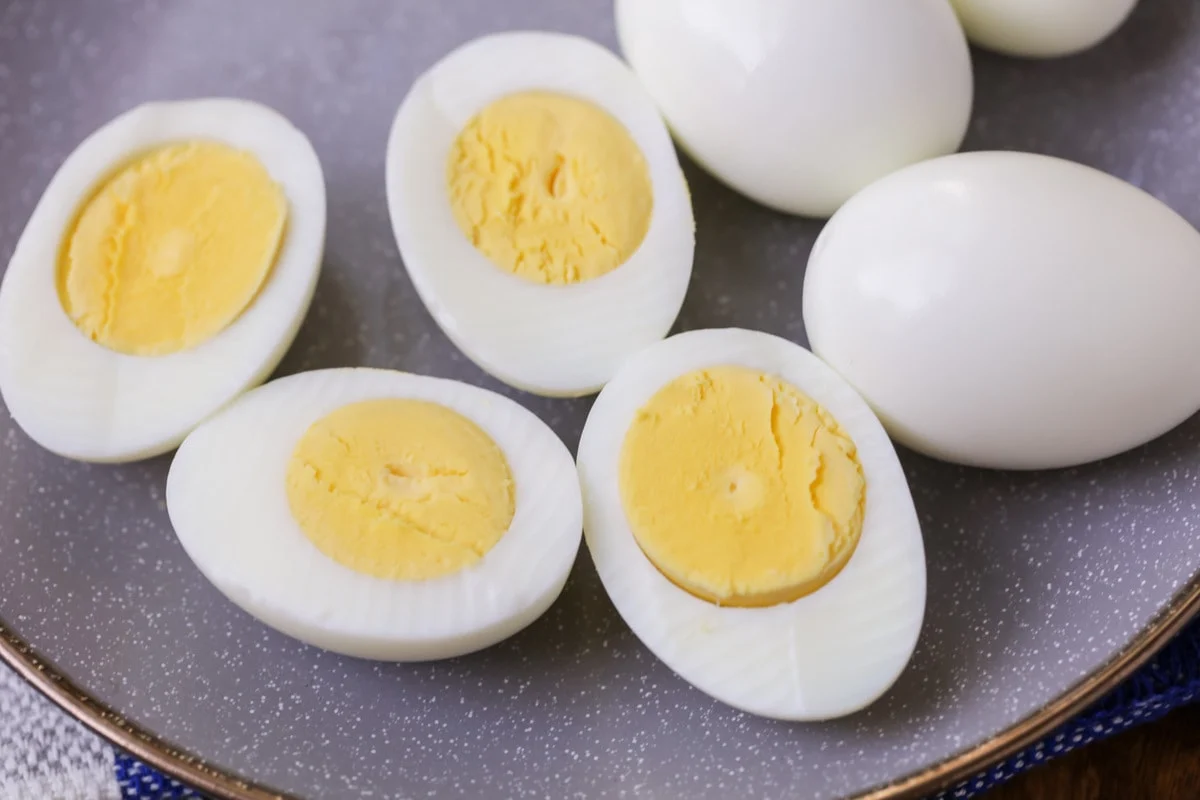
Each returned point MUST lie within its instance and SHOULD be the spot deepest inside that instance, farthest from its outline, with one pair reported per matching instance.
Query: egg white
(552, 340)
(84, 401)
(798, 105)
(1041, 28)
(227, 500)
(825, 655)
(1010, 310)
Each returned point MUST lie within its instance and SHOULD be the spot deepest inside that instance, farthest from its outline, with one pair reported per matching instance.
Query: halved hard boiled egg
(750, 521)
(379, 514)
(165, 270)
(540, 209)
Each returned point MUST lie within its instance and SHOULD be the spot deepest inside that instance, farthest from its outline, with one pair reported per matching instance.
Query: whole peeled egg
(1010, 310)
(1041, 28)
(798, 104)
(165, 270)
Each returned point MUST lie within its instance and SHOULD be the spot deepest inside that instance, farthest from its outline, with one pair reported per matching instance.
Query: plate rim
(191, 769)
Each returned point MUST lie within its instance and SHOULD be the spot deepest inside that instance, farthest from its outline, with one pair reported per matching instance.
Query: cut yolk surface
(400, 489)
(740, 488)
(172, 248)
(550, 188)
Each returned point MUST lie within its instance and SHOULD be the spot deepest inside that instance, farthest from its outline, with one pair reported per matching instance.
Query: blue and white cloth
(46, 755)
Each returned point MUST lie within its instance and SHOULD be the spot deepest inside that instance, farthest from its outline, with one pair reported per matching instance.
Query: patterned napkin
(45, 755)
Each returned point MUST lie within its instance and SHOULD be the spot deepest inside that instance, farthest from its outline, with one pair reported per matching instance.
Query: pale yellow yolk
(550, 188)
(172, 248)
(400, 489)
(741, 489)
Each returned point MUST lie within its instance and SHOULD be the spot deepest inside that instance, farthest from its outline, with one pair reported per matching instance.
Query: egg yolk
(400, 489)
(172, 248)
(741, 489)
(550, 188)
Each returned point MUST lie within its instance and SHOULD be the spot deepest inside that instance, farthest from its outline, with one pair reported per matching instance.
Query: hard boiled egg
(1010, 310)
(1041, 28)
(165, 270)
(379, 514)
(540, 209)
(798, 104)
(751, 523)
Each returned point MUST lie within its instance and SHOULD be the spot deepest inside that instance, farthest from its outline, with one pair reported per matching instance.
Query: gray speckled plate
(1043, 588)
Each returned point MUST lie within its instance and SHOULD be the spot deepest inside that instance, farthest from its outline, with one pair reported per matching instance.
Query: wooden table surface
(1159, 761)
